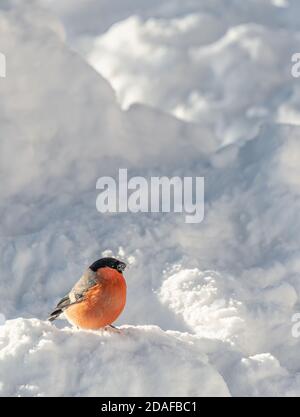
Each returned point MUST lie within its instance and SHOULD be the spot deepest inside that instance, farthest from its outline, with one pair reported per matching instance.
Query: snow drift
(226, 65)
(141, 360)
(217, 298)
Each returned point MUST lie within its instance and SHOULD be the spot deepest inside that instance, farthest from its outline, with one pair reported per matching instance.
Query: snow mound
(38, 359)
(226, 69)
(228, 287)
(203, 300)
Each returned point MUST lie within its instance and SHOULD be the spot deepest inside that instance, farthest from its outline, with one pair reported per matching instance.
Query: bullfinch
(98, 298)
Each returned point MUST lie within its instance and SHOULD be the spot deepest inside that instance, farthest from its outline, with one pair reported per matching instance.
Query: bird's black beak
(121, 266)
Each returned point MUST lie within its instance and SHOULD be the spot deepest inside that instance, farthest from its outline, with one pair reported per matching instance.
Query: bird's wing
(76, 295)
(87, 281)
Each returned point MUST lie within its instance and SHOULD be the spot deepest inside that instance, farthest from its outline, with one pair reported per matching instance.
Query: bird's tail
(61, 306)
(56, 313)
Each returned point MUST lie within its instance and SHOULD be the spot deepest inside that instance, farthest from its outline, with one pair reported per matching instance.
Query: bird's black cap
(108, 262)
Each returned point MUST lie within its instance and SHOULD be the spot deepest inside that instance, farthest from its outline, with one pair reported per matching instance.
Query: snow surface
(210, 306)
(225, 64)
(142, 360)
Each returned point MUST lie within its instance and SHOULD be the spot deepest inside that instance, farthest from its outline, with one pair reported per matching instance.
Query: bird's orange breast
(102, 304)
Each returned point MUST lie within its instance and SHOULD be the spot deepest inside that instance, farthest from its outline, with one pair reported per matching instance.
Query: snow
(226, 66)
(210, 305)
(143, 360)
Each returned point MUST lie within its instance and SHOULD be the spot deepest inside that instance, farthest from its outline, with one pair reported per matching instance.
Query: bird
(97, 299)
